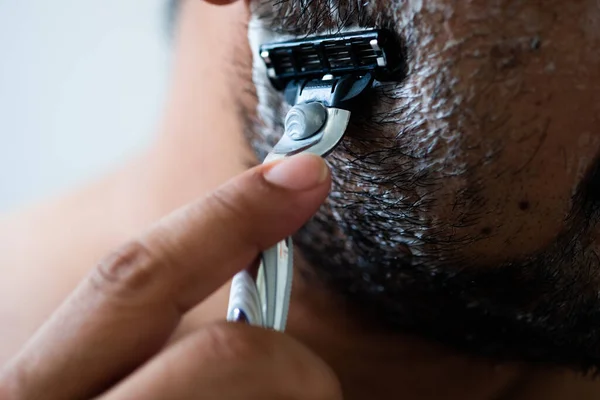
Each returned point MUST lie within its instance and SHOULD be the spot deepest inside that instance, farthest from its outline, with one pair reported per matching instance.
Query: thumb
(129, 305)
(232, 361)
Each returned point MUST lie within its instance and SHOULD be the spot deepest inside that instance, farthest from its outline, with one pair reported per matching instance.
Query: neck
(376, 364)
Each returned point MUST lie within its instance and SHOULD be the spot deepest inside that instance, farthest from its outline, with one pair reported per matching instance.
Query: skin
(368, 362)
(120, 317)
(464, 205)
(48, 248)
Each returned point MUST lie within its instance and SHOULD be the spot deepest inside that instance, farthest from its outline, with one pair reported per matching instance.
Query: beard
(440, 221)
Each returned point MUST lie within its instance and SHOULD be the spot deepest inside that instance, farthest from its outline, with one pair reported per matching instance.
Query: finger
(129, 305)
(232, 361)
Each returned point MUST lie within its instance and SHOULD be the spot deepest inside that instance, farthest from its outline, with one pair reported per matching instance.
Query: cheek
(510, 93)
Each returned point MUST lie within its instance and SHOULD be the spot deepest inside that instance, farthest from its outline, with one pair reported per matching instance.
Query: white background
(81, 87)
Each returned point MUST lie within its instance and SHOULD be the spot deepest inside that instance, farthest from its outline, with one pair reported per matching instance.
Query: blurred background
(81, 88)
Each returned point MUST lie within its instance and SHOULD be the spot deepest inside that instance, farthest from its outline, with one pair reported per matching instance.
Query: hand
(109, 337)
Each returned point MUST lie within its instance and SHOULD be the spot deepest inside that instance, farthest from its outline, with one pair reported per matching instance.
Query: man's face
(465, 199)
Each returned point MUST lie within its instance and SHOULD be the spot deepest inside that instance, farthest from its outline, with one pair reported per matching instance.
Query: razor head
(354, 53)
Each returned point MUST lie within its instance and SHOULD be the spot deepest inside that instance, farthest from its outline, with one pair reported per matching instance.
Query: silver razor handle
(309, 128)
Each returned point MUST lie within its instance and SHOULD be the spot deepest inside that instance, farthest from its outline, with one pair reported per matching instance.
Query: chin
(464, 205)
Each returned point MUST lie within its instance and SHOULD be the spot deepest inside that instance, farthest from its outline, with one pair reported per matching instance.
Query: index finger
(129, 305)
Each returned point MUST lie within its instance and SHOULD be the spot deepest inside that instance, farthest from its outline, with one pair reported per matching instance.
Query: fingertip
(300, 173)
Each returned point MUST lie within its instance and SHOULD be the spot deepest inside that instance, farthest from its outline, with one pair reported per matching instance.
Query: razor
(321, 78)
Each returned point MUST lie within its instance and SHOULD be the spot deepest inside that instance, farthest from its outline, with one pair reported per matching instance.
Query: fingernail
(301, 172)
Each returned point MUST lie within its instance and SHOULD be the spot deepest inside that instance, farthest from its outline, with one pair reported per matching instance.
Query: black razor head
(354, 53)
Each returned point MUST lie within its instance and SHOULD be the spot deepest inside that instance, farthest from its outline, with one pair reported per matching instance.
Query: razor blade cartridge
(355, 53)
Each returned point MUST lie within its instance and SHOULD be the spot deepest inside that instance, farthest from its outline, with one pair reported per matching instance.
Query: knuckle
(128, 269)
(321, 382)
(228, 343)
(228, 202)
(312, 377)
(295, 370)
(229, 206)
